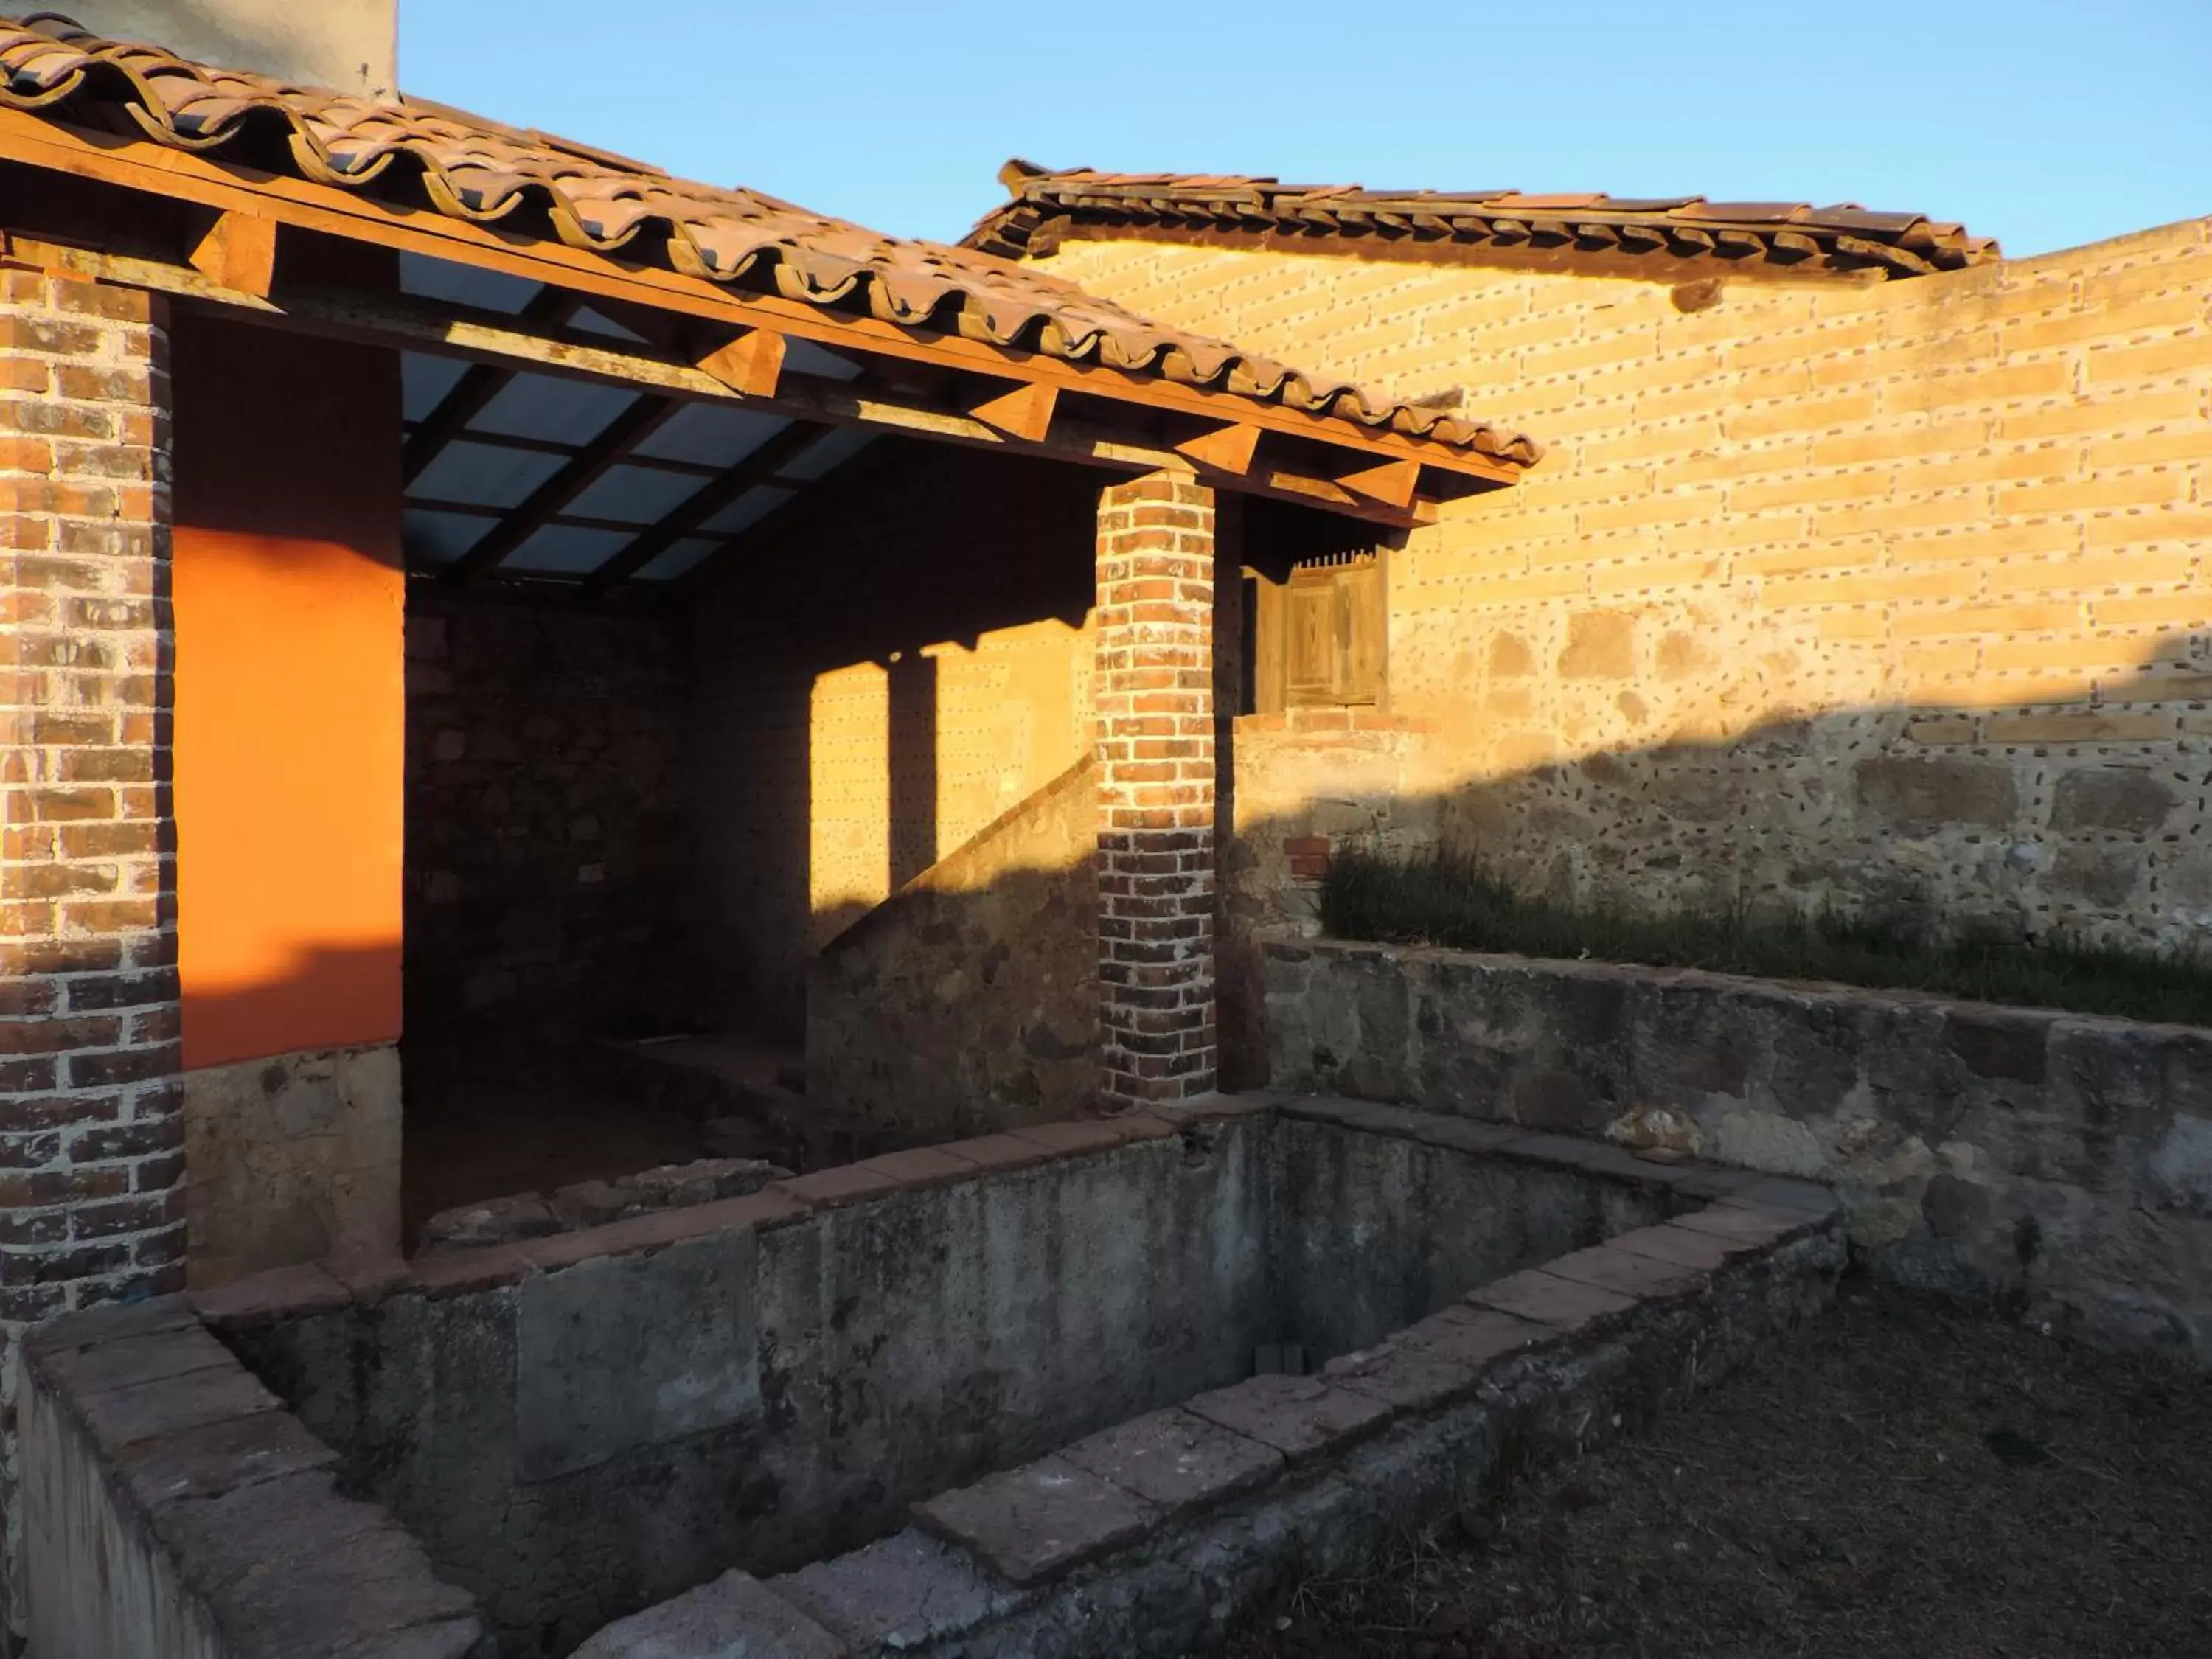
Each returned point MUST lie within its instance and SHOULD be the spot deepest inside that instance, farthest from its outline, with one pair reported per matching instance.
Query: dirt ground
(1908, 1481)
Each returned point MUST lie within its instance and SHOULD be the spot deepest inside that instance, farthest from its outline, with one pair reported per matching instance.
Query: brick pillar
(1153, 690)
(91, 1137)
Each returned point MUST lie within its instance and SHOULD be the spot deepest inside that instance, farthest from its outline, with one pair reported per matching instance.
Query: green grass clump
(1454, 900)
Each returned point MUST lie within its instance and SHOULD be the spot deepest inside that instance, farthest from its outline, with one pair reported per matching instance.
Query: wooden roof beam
(590, 464)
(1024, 412)
(470, 395)
(689, 516)
(144, 165)
(406, 324)
(238, 250)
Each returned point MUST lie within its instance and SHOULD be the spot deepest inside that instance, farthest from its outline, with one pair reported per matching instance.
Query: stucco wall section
(291, 1159)
(1886, 596)
(350, 45)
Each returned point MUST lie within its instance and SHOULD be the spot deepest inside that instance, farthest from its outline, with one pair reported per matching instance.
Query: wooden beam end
(238, 252)
(751, 364)
(1025, 412)
(1225, 449)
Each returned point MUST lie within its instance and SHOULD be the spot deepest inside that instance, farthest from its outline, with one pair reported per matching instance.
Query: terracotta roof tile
(471, 168)
(1846, 237)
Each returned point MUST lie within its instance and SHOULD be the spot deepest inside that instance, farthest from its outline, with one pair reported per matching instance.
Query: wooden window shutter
(1334, 639)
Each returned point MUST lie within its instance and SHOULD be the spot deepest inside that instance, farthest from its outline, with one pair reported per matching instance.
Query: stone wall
(176, 1512)
(291, 1159)
(1890, 596)
(2060, 1164)
(967, 1000)
(549, 862)
(571, 1441)
(880, 681)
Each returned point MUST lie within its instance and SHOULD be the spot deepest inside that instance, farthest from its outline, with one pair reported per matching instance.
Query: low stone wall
(571, 1441)
(2060, 1162)
(175, 1510)
(1161, 1535)
(969, 1000)
(290, 1159)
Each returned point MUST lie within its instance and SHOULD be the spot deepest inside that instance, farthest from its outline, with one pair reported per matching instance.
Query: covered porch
(591, 595)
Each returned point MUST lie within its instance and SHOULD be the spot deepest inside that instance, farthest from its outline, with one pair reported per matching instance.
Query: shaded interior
(592, 1441)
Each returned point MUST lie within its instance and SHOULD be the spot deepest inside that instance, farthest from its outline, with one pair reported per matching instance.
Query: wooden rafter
(752, 363)
(644, 417)
(760, 467)
(238, 250)
(549, 307)
(837, 484)
(553, 446)
(1026, 411)
(1225, 449)
(144, 165)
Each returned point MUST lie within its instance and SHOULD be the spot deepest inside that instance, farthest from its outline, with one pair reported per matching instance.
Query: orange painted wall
(291, 705)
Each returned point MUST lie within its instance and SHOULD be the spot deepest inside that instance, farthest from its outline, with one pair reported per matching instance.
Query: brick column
(91, 1137)
(1153, 690)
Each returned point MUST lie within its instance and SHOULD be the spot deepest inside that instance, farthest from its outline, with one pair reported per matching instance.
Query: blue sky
(2045, 124)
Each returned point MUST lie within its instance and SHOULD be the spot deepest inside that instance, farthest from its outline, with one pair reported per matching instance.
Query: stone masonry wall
(875, 686)
(91, 1144)
(2060, 1164)
(1886, 596)
(548, 849)
(969, 1000)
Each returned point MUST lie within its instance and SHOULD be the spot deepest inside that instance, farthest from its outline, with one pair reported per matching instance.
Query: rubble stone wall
(1889, 597)
(2059, 1163)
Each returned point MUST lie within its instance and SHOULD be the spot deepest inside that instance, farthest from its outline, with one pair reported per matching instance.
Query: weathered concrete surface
(587, 1204)
(291, 1159)
(581, 1425)
(895, 1340)
(1410, 1431)
(173, 1511)
(2060, 1162)
(732, 1617)
(967, 1001)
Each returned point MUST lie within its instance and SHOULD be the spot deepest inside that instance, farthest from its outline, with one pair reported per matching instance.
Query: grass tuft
(1454, 900)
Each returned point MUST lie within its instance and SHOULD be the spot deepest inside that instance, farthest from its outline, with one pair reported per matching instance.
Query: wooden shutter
(1333, 633)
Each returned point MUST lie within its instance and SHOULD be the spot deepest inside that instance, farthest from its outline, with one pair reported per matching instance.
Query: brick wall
(1884, 595)
(549, 850)
(1154, 693)
(90, 1138)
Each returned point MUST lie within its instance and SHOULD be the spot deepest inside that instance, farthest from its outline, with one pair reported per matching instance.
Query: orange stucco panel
(290, 700)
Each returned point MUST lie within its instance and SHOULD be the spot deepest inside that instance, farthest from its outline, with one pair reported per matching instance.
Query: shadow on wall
(2086, 820)
(845, 710)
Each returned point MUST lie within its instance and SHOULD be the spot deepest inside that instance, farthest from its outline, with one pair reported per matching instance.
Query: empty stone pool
(576, 1429)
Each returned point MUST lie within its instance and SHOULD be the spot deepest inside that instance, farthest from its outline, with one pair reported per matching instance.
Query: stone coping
(1120, 1528)
(205, 1470)
(1293, 947)
(286, 1293)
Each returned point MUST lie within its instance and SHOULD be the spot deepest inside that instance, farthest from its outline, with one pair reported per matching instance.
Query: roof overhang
(700, 339)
